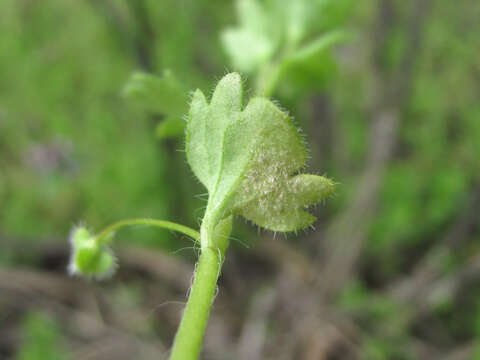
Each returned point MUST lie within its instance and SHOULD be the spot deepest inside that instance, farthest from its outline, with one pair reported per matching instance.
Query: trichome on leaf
(248, 158)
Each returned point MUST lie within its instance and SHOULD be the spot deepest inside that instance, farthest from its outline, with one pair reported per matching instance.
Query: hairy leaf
(249, 159)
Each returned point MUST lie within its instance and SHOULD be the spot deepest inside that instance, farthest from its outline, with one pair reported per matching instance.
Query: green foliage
(476, 351)
(375, 307)
(246, 158)
(385, 320)
(164, 96)
(72, 148)
(60, 111)
(249, 160)
(311, 65)
(41, 339)
(255, 33)
(280, 39)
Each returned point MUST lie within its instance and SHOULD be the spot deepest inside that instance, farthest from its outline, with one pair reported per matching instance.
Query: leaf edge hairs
(250, 160)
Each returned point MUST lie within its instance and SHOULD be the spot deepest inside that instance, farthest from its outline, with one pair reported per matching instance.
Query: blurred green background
(390, 110)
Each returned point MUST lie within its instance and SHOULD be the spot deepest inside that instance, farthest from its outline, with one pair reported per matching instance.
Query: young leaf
(271, 41)
(270, 195)
(256, 38)
(162, 96)
(206, 126)
(296, 16)
(248, 160)
(312, 64)
(310, 51)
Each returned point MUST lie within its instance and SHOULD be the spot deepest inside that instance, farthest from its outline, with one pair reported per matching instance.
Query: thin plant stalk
(189, 337)
(190, 334)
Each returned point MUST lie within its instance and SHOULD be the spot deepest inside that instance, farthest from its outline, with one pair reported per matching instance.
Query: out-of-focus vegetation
(393, 114)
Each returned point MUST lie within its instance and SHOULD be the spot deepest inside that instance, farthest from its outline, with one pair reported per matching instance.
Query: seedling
(249, 159)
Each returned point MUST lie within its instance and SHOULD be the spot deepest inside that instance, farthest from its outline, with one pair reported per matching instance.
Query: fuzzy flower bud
(90, 257)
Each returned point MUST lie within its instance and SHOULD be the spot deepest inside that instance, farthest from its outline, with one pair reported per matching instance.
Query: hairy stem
(189, 337)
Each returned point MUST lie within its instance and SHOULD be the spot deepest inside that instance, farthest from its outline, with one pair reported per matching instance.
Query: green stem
(271, 72)
(267, 80)
(103, 236)
(189, 337)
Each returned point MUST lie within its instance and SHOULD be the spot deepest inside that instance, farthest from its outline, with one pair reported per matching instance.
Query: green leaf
(312, 64)
(255, 40)
(269, 195)
(161, 96)
(170, 127)
(315, 48)
(249, 160)
(296, 16)
(206, 126)
(277, 28)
